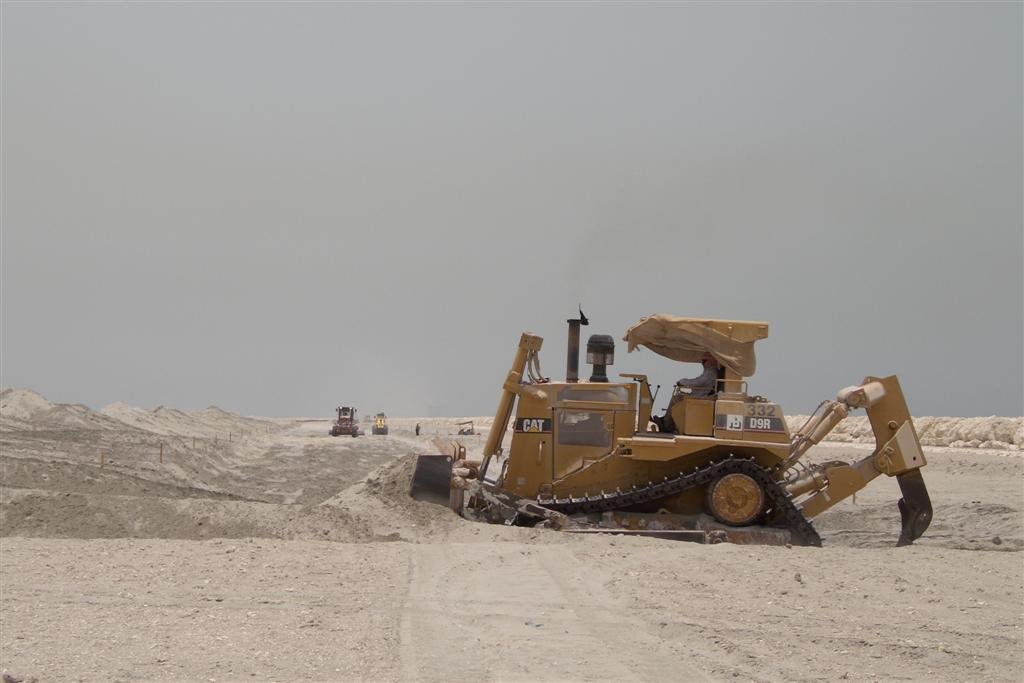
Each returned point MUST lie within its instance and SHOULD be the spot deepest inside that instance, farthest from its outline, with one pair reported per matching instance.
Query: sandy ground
(285, 554)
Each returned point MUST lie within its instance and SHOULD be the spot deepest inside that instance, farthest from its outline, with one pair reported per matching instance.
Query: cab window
(608, 393)
(582, 428)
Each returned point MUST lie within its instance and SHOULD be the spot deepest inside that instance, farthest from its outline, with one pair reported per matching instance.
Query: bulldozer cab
(729, 412)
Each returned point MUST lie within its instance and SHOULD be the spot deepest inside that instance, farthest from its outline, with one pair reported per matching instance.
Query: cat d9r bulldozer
(585, 456)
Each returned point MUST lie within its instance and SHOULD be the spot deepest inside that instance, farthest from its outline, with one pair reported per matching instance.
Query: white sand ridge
(24, 409)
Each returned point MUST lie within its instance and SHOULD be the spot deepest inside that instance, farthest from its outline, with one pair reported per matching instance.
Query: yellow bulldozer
(720, 465)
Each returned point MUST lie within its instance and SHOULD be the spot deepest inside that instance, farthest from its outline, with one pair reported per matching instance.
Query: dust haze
(280, 208)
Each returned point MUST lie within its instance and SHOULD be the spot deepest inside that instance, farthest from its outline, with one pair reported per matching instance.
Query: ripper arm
(897, 454)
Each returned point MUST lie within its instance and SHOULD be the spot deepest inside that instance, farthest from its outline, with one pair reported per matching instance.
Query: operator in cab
(701, 386)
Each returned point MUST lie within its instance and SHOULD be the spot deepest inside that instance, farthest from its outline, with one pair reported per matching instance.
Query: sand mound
(209, 422)
(22, 404)
(1004, 433)
(391, 482)
(218, 420)
(26, 409)
(376, 509)
(147, 420)
(381, 502)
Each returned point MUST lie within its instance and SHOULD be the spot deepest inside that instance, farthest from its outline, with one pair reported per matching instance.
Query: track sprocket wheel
(735, 499)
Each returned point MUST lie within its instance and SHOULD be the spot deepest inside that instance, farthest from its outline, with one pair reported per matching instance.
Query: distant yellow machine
(380, 423)
(585, 456)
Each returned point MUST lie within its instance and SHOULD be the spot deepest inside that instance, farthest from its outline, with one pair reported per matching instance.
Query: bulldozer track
(781, 512)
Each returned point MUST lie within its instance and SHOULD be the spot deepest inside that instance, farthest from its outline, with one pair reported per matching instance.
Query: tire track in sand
(520, 612)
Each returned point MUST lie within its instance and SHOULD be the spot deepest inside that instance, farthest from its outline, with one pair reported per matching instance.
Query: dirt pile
(22, 405)
(167, 473)
(70, 471)
(1002, 433)
(24, 409)
(202, 423)
(392, 481)
(381, 502)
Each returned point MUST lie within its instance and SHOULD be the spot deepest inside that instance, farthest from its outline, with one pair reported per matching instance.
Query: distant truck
(346, 422)
(380, 424)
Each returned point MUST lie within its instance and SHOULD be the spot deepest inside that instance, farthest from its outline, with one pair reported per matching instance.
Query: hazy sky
(280, 208)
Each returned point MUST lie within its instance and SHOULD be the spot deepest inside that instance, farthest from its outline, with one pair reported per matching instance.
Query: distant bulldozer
(345, 424)
(380, 424)
(720, 465)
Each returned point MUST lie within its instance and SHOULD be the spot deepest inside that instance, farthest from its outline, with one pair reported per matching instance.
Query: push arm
(528, 343)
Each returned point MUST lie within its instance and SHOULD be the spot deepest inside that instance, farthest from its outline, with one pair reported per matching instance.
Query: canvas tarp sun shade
(731, 342)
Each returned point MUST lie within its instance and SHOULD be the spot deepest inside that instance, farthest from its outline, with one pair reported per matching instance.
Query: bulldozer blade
(915, 506)
(431, 479)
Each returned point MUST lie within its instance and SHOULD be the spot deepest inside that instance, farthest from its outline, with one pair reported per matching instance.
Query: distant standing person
(417, 429)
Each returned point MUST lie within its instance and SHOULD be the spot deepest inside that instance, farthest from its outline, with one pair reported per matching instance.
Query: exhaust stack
(572, 358)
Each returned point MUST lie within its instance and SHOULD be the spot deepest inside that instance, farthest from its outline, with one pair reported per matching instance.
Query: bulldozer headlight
(600, 354)
(600, 350)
